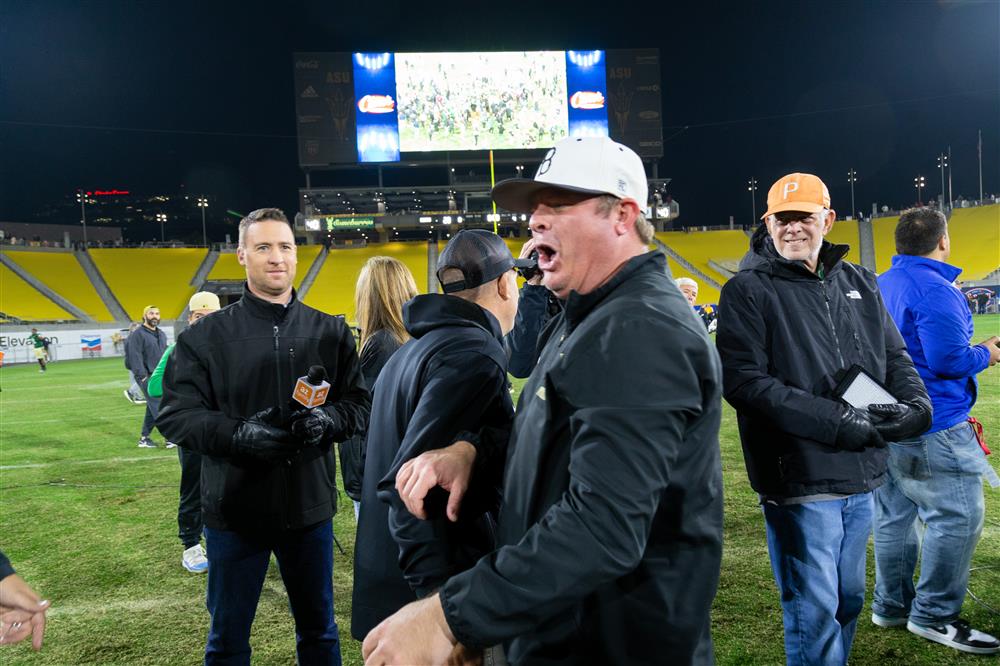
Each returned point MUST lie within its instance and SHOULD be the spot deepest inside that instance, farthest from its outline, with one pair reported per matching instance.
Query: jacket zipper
(281, 409)
(829, 316)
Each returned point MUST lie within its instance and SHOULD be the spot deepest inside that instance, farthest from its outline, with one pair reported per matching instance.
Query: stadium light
(919, 183)
(852, 177)
(942, 165)
(83, 215)
(162, 218)
(752, 189)
(203, 204)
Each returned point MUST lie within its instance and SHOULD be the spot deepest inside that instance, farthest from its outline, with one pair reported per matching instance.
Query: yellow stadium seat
(884, 236)
(150, 276)
(698, 247)
(975, 241)
(62, 273)
(19, 299)
(333, 290)
(845, 232)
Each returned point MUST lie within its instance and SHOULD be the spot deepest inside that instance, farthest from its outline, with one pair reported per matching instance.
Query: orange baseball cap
(799, 192)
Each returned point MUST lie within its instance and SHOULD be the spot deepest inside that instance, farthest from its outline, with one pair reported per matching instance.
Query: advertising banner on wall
(66, 343)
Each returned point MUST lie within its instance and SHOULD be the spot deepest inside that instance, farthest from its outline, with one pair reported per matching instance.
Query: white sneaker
(171, 445)
(146, 443)
(887, 622)
(194, 559)
(958, 635)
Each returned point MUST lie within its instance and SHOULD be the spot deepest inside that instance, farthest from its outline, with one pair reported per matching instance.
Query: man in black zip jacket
(610, 532)
(451, 377)
(793, 320)
(267, 469)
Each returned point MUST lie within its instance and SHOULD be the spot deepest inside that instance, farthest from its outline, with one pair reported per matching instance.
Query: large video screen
(432, 102)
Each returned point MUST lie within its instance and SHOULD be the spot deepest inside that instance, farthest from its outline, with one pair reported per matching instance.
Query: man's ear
(831, 217)
(504, 289)
(241, 255)
(626, 216)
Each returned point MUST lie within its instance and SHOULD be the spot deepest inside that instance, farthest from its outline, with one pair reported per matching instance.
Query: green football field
(89, 520)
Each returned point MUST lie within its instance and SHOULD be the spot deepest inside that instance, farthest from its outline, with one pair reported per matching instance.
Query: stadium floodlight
(852, 177)
(203, 204)
(81, 197)
(942, 165)
(752, 189)
(919, 183)
(162, 218)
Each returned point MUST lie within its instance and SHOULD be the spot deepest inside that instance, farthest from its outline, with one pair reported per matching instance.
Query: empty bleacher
(62, 273)
(19, 299)
(139, 277)
(698, 247)
(845, 232)
(975, 241)
(333, 290)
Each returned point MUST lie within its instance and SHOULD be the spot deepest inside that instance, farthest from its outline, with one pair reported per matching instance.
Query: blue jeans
(936, 481)
(818, 552)
(237, 564)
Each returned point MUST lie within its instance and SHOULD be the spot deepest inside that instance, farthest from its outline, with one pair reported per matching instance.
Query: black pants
(152, 409)
(189, 521)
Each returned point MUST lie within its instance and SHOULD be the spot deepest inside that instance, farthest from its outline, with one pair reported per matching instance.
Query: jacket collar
(578, 305)
(907, 261)
(258, 307)
(763, 256)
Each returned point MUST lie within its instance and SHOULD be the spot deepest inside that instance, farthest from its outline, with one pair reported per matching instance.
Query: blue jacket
(935, 322)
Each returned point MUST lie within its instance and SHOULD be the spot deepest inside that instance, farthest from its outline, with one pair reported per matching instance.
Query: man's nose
(539, 220)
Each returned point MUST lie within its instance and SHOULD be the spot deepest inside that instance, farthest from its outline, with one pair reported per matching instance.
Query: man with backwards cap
(610, 531)
(794, 320)
(189, 522)
(450, 378)
(145, 347)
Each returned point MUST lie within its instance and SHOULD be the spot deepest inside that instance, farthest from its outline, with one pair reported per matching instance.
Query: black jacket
(374, 355)
(611, 526)
(786, 336)
(451, 377)
(536, 305)
(239, 361)
(144, 348)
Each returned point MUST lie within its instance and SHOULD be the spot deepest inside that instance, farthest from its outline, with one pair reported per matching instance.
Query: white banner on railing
(67, 343)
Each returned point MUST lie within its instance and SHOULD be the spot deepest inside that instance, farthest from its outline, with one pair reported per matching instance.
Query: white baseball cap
(593, 165)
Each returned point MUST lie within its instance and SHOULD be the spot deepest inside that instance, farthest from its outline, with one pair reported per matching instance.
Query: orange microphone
(311, 390)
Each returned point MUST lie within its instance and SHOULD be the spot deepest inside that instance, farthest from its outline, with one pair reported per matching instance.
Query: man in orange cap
(795, 319)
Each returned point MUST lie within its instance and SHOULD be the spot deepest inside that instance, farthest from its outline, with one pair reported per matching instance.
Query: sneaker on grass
(146, 443)
(887, 622)
(194, 559)
(171, 445)
(958, 635)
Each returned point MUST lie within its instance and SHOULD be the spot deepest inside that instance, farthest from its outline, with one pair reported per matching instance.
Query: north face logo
(853, 293)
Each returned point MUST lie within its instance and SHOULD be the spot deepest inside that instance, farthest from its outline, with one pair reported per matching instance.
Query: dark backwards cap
(480, 255)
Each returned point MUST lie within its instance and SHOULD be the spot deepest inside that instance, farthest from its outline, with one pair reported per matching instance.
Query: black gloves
(256, 437)
(315, 427)
(856, 431)
(900, 421)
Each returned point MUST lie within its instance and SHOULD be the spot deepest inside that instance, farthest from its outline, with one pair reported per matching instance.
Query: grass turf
(89, 520)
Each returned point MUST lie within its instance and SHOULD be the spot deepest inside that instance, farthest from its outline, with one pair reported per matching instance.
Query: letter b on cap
(788, 188)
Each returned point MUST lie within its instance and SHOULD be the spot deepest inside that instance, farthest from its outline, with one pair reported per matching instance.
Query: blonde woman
(383, 286)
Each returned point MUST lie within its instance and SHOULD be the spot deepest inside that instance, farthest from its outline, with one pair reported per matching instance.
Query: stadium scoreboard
(384, 108)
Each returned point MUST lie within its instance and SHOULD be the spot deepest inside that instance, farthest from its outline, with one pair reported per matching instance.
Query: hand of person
(526, 251)
(20, 605)
(450, 468)
(314, 426)
(993, 347)
(899, 421)
(256, 437)
(416, 634)
(856, 431)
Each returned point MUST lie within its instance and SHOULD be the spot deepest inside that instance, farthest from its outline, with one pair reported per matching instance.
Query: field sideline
(89, 520)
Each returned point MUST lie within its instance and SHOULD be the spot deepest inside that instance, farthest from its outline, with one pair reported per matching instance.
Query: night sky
(160, 97)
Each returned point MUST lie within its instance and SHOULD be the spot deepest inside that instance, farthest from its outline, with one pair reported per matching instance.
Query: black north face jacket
(241, 360)
(451, 377)
(611, 526)
(786, 336)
